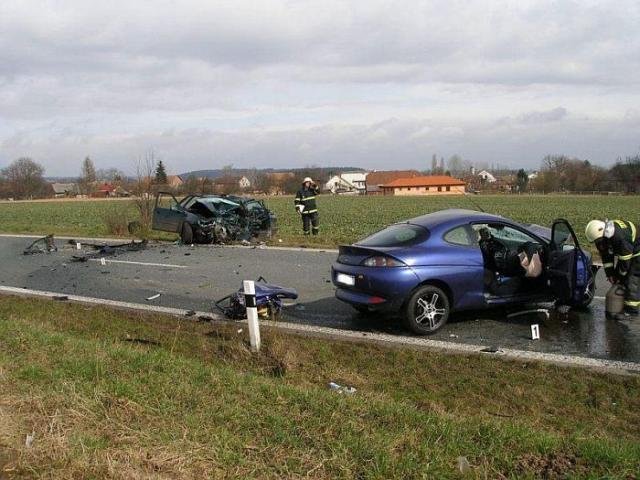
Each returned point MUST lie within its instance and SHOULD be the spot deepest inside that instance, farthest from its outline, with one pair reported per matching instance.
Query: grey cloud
(198, 79)
(387, 144)
(543, 117)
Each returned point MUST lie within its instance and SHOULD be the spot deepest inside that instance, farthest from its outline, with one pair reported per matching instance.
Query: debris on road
(268, 301)
(41, 245)
(153, 297)
(490, 350)
(342, 389)
(190, 313)
(543, 311)
(60, 298)
(29, 440)
(102, 250)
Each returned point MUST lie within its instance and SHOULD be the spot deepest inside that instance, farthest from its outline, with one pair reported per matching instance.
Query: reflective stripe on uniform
(308, 198)
(633, 232)
(620, 223)
(310, 211)
(607, 265)
(625, 257)
(632, 303)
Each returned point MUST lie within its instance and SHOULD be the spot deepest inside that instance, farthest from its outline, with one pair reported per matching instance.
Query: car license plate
(346, 279)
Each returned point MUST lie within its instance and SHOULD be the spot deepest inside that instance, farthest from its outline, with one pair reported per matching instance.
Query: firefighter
(619, 239)
(306, 207)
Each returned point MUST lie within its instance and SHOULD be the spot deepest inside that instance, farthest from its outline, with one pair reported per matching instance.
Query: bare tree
(24, 178)
(87, 176)
(144, 192)
(455, 164)
(112, 175)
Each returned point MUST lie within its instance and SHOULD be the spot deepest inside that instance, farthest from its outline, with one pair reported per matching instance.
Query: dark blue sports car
(455, 260)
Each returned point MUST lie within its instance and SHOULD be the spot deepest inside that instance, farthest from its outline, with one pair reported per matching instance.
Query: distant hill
(217, 173)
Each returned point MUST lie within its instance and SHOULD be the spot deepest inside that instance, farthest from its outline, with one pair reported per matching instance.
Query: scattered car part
(213, 218)
(101, 250)
(153, 297)
(544, 311)
(268, 300)
(143, 341)
(41, 245)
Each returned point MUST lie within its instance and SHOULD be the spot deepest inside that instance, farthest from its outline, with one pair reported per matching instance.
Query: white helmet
(594, 230)
(307, 179)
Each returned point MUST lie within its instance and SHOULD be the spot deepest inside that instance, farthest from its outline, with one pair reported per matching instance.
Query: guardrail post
(252, 314)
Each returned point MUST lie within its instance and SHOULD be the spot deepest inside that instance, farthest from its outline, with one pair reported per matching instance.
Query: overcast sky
(376, 84)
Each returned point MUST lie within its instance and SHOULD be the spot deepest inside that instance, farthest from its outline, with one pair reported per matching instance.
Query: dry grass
(196, 403)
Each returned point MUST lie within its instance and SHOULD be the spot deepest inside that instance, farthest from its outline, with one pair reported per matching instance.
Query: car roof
(453, 216)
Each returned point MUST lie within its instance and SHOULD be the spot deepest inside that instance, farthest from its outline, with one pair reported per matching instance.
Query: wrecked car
(213, 218)
(453, 260)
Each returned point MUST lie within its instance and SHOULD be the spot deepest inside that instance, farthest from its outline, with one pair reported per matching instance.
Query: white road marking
(146, 264)
(420, 342)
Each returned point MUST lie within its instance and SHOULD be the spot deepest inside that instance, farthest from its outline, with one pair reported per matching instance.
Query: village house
(174, 181)
(61, 190)
(354, 182)
(425, 185)
(104, 190)
(487, 177)
(231, 184)
(374, 180)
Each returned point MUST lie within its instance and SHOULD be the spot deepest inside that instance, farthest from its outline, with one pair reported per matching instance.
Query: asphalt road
(193, 277)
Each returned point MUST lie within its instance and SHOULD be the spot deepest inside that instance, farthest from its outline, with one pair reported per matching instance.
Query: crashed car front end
(214, 218)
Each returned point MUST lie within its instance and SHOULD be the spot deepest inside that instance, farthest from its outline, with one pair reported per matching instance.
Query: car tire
(186, 234)
(427, 310)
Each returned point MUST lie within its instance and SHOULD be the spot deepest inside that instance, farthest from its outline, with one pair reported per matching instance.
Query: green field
(344, 219)
(112, 394)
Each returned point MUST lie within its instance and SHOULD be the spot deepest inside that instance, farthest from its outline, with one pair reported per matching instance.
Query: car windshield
(399, 235)
(218, 204)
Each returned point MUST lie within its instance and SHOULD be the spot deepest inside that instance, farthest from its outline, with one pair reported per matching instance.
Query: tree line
(24, 177)
(560, 173)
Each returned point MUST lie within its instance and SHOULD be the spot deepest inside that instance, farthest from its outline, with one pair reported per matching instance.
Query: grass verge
(112, 394)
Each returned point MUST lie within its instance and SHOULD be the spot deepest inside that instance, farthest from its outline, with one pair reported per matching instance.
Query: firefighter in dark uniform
(306, 206)
(619, 240)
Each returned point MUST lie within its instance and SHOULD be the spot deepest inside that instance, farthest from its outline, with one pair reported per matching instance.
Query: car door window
(562, 237)
(462, 236)
(507, 235)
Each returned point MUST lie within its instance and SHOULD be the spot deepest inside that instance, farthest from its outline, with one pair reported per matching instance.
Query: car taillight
(382, 261)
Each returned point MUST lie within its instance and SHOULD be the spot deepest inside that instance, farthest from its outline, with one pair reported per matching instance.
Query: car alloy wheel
(427, 310)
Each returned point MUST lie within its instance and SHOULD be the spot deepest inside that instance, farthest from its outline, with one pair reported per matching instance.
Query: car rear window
(400, 235)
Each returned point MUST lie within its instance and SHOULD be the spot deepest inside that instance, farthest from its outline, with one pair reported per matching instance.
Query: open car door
(168, 215)
(569, 274)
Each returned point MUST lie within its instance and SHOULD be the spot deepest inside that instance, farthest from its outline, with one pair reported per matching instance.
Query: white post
(252, 314)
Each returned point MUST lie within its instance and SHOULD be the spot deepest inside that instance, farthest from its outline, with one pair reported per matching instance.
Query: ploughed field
(343, 219)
